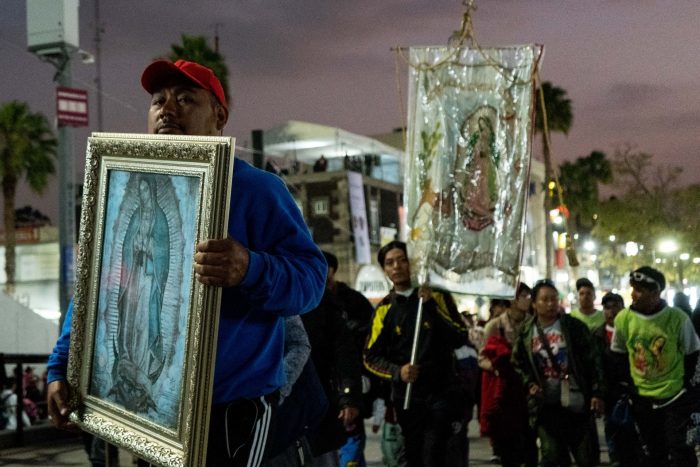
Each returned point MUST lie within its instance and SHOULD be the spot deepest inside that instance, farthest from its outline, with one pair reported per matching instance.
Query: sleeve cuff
(255, 268)
(54, 375)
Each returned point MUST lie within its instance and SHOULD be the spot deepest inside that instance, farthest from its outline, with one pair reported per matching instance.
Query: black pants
(562, 433)
(517, 448)
(624, 446)
(238, 432)
(427, 426)
(663, 430)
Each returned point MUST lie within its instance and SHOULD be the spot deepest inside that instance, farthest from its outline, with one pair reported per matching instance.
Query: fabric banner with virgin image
(470, 124)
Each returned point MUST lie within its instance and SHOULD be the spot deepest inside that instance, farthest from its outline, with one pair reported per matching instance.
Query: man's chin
(170, 131)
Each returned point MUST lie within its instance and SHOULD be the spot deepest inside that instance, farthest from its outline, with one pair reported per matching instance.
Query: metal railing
(20, 360)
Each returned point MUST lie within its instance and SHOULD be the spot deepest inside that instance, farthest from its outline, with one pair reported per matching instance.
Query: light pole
(66, 198)
(52, 34)
(681, 258)
(632, 250)
(667, 247)
(66, 187)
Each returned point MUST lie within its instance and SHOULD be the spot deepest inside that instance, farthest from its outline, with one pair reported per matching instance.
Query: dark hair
(612, 298)
(500, 302)
(522, 287)
(331, 259)
(648, 278)
(381, 254)
(583, 282)
(540, 284)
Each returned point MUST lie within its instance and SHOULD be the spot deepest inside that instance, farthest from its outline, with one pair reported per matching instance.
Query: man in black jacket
(357, 313)
(334, 356)
(436, 405)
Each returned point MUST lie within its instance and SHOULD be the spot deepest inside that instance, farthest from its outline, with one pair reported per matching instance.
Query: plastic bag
(571, 397)
(392, 445)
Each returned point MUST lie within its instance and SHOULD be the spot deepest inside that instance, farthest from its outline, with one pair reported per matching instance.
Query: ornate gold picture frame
(144, 330)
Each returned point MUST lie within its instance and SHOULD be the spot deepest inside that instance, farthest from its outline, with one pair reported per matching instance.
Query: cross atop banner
(71, 107)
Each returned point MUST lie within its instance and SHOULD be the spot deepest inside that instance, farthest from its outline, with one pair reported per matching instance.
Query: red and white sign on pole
(71, 106)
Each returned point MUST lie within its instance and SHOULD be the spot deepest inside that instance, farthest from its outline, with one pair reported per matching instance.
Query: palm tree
(580, 182)
(196, 49)
(27, 150)
(559, 119)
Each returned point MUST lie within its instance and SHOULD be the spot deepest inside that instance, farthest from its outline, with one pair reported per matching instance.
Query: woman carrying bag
(561, 371)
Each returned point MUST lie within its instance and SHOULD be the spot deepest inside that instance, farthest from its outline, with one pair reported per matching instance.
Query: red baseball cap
(160, 70)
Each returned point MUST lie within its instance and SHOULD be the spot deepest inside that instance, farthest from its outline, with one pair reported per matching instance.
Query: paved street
(70, 453)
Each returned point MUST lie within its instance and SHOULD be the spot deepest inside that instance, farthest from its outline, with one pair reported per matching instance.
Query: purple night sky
(630, 67)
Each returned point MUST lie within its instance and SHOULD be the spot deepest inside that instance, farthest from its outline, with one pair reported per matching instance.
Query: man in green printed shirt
(662, 349)
(587, 313)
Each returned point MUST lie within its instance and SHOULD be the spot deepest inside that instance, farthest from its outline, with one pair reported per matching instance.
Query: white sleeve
(617, 344)
(689, 339)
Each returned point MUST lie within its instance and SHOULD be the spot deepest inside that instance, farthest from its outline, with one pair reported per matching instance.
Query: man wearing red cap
(268, 268)
(662, 350)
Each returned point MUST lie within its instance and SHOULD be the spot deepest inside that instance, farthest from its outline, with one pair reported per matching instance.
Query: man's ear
(221, 116)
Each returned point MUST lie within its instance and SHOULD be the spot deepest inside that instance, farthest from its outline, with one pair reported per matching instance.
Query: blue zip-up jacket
(286, 276)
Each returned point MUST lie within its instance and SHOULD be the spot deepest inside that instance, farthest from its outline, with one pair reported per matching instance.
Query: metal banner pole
(414, 350)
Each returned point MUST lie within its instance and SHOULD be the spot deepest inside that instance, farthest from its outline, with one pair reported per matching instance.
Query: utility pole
(98, 64)
(66, 196)
(52, 34)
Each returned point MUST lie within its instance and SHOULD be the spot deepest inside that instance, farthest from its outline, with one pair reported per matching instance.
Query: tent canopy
(306, 142)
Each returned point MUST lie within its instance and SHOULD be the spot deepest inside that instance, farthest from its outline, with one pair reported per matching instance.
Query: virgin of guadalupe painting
(139, 347)
(139, 356)
(476, 169)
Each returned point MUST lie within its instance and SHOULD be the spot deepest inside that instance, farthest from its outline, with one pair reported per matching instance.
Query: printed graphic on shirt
(650, 360)
(551, 370)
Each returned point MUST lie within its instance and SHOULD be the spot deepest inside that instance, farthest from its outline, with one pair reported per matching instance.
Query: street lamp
(681, 258)
(668, 246)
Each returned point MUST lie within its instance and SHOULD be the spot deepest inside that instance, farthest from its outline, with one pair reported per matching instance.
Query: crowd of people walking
(539, 377)
(301, 362)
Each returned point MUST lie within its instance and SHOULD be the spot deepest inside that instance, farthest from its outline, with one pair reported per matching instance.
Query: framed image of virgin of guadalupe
(143, 335)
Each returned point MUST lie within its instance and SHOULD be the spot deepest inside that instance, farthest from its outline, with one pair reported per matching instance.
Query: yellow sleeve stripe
(377, 326)
(443, 311)
(378, 323)
(376, 372)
